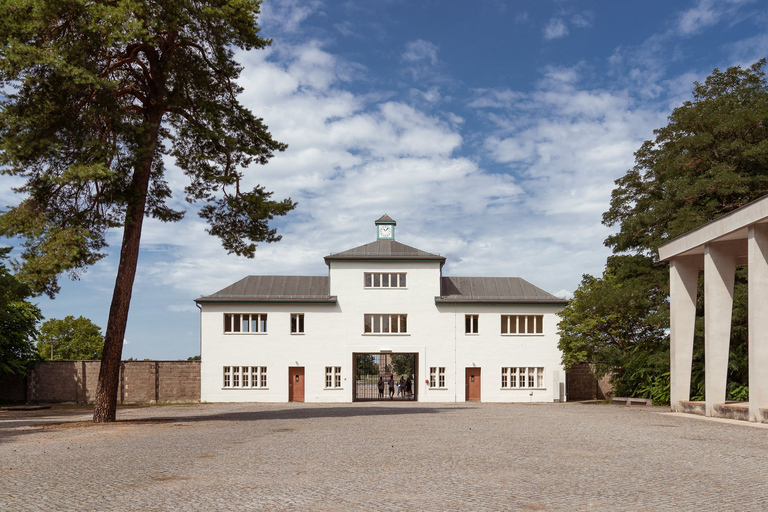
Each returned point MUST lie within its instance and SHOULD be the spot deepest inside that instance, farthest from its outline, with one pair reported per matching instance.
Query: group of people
(404, 387)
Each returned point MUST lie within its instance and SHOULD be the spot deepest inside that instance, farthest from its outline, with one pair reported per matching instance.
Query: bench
(624, 400)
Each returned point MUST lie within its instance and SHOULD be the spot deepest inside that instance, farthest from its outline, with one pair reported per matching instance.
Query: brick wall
(140, 382)
(581, 384)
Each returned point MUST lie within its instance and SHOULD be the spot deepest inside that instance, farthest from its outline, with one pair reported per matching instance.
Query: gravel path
(380, 456)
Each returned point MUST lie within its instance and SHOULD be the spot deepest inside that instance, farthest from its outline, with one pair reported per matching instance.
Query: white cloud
(584, 19)
(703, 15)
(288, 15)
(420, 51)
(555, 29)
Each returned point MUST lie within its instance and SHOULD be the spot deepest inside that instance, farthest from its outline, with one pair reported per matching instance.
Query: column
(719, 274)
(683, 284)
(758, 319)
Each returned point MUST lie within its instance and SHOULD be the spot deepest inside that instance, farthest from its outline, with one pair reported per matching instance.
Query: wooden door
(472, 385)
(296, 384)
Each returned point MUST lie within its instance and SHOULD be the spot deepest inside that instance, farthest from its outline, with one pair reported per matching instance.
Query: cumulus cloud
(555, 29)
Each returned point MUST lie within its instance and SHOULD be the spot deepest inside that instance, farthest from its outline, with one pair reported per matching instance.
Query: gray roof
(384, 250)
(385, 219)
(274, 289)
(493, 289)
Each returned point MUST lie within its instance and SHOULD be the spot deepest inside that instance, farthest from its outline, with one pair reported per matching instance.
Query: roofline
(262, 300)
(333, 257)
(553, 302)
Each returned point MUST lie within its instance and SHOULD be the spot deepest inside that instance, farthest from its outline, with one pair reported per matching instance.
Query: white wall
(333, 332)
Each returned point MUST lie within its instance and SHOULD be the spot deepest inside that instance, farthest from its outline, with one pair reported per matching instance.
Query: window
(245, 322)
(437, 377)
(522, 377)
(470, 324)
(385, 324)
(245, 377)
(333, 377)
(384, 280)
(297, 323)
(522, 324)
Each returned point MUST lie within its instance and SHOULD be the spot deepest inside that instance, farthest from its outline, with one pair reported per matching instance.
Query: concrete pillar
(719, 274)
(758, 319)
(683, 284)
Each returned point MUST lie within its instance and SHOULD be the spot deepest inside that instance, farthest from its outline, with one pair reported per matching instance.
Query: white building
(383, 307)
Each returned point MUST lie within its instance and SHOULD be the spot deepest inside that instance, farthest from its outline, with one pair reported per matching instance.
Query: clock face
(385, 231)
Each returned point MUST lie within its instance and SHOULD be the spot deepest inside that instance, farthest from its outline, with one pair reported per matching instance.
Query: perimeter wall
(75, 381)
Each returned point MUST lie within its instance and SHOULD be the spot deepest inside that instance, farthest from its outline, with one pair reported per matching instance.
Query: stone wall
(75, 381)
(581, 384)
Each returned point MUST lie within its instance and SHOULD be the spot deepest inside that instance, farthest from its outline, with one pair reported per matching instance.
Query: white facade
(334, 332)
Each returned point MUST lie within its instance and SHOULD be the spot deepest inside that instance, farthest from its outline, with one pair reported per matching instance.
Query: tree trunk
(105, 409)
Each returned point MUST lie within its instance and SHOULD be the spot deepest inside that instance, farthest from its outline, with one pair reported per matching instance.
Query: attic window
(384, 280)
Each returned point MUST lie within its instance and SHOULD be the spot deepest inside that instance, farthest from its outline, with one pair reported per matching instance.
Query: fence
(75, 381)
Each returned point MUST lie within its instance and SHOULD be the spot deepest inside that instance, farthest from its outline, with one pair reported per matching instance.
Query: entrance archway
(371, 369)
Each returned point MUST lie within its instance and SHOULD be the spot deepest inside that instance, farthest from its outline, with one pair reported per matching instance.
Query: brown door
(472, 385)
(296, 384)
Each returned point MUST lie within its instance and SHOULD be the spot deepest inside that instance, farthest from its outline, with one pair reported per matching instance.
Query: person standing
(401, 386)
(391, 383)
(381, 386)
(409, 387)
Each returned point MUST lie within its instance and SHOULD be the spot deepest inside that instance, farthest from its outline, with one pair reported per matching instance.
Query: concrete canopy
(718, 247)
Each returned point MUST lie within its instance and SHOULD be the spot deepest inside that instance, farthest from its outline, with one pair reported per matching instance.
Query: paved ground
(374, 456)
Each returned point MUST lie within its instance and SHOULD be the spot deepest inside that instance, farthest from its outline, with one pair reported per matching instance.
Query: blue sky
(491, 131)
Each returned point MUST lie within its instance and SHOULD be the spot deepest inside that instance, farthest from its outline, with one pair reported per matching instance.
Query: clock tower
(385, 228)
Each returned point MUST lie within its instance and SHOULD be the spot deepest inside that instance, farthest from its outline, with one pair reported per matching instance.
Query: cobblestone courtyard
(379, 456)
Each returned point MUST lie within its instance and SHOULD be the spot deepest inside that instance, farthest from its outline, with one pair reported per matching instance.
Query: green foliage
(366, 365)
(18, 323)
(72, 338)
(194, 358)
(403, 364)
(97, 94)
(710, 159)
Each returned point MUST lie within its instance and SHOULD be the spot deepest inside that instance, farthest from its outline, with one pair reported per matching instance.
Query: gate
(373, 369)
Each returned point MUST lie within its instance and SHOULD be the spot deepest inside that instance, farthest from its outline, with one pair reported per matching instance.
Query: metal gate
(374, 371)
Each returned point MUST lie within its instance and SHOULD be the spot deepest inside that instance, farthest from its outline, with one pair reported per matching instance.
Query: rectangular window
(297, 323)
(471, 324)
(245, 377)
(437, 377)
(245, 322)
(385, 324)
(522, 324)
(333, 377)
(384, 280)
(518, 377)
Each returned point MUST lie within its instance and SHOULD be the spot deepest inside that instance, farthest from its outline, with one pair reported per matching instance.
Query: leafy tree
(194, 358)
(18, 323)
(710, 159)
(366, 365)
(98, 94)
(403, 364)
(69, 339)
